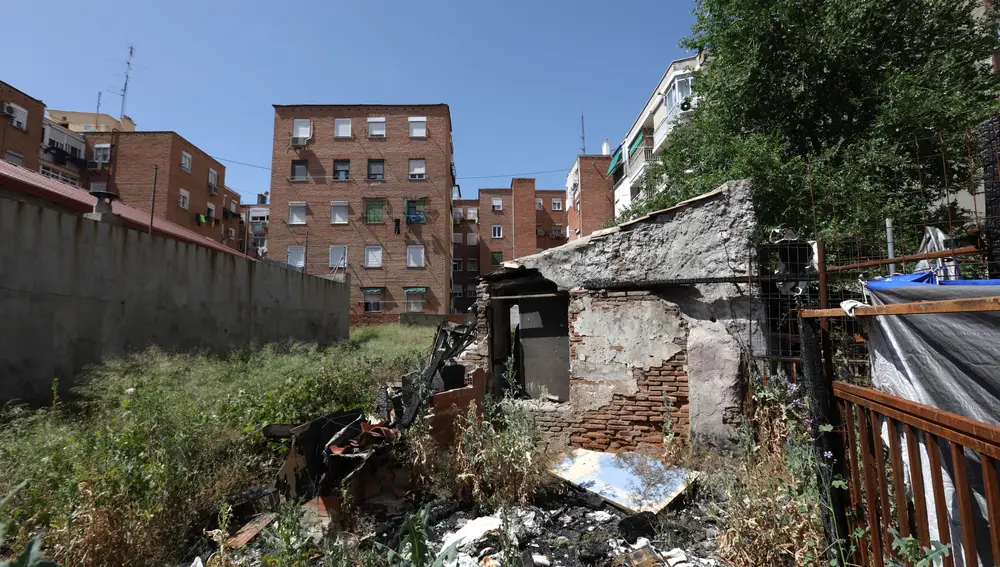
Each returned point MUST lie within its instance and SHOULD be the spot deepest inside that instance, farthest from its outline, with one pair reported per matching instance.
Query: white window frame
(472, 213)
(213, 177)
(472, 239)
(210, 210)
(423, 258)
(368, 264)
(365, 302)
(418, 169)
(102, 153)
(187, 161)
(539, 204)
(234, 204)
(496, 203)
(457, 238)
(497, 231)
(457, 290)
(334, 205)
(305, 212)
(184, 201)
(472, 265)
(458, 215)
(557, 204)
(288, 256)
(412, 299)
(418, 126)
(376, 123)
(557, 231)
(297, 125)
(343, 259)
(338, 127)
(456, 265)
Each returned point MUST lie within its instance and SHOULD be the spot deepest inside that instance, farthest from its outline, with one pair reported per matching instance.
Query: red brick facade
(519, 220)
(595, 200)
(21, 135)
(466, 259)
(133, 156)
(322, 187)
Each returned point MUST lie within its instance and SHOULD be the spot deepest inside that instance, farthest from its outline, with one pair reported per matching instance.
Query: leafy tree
(851, 96)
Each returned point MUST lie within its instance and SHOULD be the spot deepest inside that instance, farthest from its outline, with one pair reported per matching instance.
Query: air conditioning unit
(298, 141)
(8, 109)
(213, 189)
(95, 165)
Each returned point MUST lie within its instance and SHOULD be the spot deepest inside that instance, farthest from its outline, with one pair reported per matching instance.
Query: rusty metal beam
(970, 305)
(964, 251)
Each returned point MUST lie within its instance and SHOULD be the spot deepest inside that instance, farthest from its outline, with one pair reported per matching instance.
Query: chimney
(102, 208)
(606, 147)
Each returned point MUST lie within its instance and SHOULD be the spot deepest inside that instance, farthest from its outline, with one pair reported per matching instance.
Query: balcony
(638, 160)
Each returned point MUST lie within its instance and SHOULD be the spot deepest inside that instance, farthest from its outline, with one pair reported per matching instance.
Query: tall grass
(153, 443)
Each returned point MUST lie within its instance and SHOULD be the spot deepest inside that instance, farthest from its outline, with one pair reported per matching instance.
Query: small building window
(497, 258)
(373, 302)
(472, 213)
(556, 204)
(457, 238)
(418, 169)
(342, 128)
(456, 290)
(213, 178)
(297, 213)
(186, 161)
(376, 127)
(472, 239)
(498, 231)
(418, 127)
(341, 169)
(415, 302)
(339, 211)
(557, 231)
(456, 265)
(302, 128)
(373, 256)
(496, 203)
(210, 211)
(13, 157)
(415, 256)
(373, 212)
(416, 211)
(538, 205)
(472, 265)
(376, 169)
(457, 215)
(296, 256)
(338, 256)
(102, 153)
(471, 290)
(185, 200)
(300, 170)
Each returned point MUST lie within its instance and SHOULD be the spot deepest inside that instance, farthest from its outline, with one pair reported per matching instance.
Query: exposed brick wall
(466, 277)
(26, 142)
(360, 319)
(547, 218)
(396, 149)
(597, 195)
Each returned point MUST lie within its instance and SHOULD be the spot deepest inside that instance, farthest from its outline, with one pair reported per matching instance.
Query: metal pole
(890, 244)
(152, 206)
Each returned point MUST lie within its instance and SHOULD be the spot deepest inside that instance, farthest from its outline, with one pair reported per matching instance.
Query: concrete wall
(74, 291)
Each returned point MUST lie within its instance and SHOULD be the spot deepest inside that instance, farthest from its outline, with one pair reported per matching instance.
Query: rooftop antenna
(128, 71)
(583, 136)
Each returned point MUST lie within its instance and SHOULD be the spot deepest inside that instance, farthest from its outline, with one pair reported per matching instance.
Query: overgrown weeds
(154, 443)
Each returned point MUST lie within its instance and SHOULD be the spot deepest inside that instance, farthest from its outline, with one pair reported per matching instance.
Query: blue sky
(516, 73)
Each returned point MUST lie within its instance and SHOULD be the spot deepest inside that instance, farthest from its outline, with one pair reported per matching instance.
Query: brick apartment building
(256, 217)
(504, 224)
(590, 197)
(21, 118)
(190, 185)
(365, 191)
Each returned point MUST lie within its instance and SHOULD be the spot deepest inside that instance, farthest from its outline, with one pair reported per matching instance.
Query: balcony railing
(638, 159)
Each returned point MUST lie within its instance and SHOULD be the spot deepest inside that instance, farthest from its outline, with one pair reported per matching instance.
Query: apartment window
(471, 290)
(415, 256)
(456, 265)
(457, 215)
(538, 205)
(19, 119)
(75, 151)
(185, 200)
(376, 127)
(539, 230)
(472, 265)
(342, 128)
(13, 157)
(556, 204)
(376, 169)
(338, 212)
(302, 128)
(234, 203)
(102, 153)
(472, 239)
(456, 290)
(457, 238)
(213, 178)
(296, 256)
(297, 213)
(300, 170)
(373, 301)
(186, 161)
(557, 231)
(472, 213)
(418, 127)
(210, 211)
(373, 212)
(338, 256)
(418, 169)
(414, 301)
(258, 241)
(416, 210)
(341, 169)
(496, 203)
(497, 258)
(373, 256)
(498, 231)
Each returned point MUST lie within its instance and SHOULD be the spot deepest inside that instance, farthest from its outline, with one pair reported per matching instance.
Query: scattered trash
(250, 530)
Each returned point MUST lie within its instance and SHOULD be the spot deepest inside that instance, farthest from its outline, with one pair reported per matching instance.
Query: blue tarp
(921, 279)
